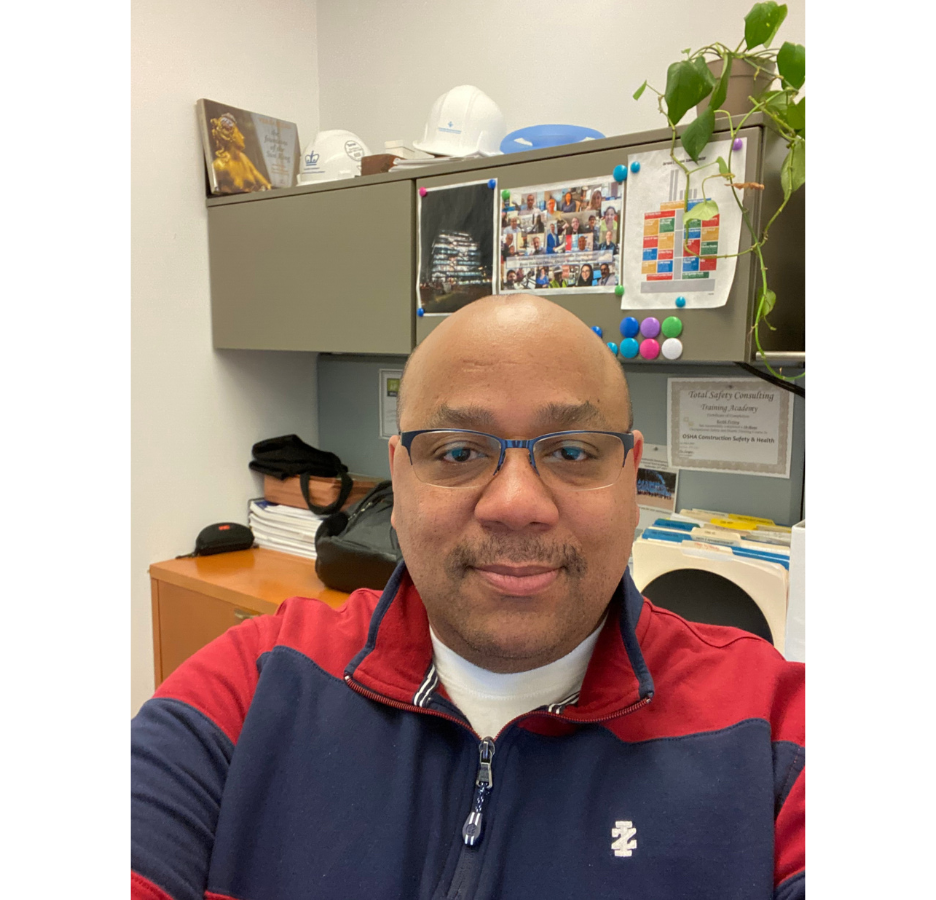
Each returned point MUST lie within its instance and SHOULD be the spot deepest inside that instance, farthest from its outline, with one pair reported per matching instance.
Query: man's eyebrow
(552, 417)
(560, 416)
(470, 417)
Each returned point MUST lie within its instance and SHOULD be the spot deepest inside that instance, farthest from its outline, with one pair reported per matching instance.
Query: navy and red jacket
(314, 754)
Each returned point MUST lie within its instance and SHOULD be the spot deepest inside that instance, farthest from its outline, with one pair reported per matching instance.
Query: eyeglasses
(569, 460)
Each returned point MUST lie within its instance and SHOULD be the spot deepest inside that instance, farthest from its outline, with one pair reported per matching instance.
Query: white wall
(196, 412)
(542, 61)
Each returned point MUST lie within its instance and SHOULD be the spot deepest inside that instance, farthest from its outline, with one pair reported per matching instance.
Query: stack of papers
(401, 164)
(284, 528)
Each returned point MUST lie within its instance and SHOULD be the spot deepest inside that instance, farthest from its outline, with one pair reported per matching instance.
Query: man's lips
(518, 581)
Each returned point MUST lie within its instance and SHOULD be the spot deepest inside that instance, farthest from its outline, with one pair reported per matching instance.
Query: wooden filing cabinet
(197, 599)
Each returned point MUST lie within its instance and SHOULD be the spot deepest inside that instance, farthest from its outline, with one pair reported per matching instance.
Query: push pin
(649, 349)
(635, 167)
(492, 183)
(680, 302)
(505, 194)
(612, 347)
(629, 348)
(650, 327)
(620, 173)
(619, 290)
(597, 330)
(738, 143)
(629, 328)
(423, 192)
(420, 311)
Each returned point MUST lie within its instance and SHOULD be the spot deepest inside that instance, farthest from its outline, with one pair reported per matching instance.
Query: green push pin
(672, 327)
(619, 290)
(505, 194)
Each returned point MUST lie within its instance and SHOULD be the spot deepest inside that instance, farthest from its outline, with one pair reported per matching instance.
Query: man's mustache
(519, 551)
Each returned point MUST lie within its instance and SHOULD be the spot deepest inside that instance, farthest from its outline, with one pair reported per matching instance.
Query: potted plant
(776, 77)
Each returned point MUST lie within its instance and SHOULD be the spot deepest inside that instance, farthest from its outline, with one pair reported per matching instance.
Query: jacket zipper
(484, 782)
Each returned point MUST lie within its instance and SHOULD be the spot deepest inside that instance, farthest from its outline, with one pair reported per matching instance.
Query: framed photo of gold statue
(246, 151)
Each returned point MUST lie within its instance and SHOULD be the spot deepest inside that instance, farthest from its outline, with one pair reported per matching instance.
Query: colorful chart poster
(456, 227)
(729, 425)
(667, 251)
(561, 238)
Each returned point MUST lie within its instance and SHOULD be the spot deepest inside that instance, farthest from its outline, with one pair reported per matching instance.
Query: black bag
(359, 548)
(287, 456)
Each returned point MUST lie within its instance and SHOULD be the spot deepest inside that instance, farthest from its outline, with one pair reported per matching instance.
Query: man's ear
(392, 447)
(637, 452)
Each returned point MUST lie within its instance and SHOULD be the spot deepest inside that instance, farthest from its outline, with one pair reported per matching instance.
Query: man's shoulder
(220, 679)
(708, 677)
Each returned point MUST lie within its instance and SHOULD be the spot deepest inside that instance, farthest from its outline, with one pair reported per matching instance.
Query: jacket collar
(396, 661)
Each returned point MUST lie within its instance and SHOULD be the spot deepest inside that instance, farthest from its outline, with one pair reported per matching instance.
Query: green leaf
(762, 22)
(796, 115)
(688, 82)
(697, 134)
(640, 90)
(723, 167)
(776, 102)
(707, 209)
(766, 300)
(791, 64)
(721, 88)
(793, 170)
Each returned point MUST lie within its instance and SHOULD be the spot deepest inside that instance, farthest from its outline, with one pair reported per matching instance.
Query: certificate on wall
(729, 425)
(389, 391)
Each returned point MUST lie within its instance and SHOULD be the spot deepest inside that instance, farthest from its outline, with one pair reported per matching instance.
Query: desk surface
(260, 579)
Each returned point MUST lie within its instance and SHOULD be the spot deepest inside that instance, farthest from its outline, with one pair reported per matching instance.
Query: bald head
(513, 332)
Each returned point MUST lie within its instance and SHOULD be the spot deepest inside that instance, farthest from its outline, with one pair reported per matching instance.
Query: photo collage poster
(561, 238)
(456, 245)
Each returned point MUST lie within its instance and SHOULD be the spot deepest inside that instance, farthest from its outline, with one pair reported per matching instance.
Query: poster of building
(561, 238)
(456, 227)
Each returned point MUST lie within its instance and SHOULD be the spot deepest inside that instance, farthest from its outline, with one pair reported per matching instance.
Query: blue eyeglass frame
(406, 439)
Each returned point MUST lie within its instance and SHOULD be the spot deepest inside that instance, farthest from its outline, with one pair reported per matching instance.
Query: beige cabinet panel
(330, 271)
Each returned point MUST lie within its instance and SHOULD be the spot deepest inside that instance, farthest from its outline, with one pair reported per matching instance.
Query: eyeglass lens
(582, 460)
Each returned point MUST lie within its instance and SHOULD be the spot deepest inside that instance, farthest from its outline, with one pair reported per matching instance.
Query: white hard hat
(332, 155)
(462, 122)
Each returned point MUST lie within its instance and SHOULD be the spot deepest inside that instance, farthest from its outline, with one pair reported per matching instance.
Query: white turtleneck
(490, 700)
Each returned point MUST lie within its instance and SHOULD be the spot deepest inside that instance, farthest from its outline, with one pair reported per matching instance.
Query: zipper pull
(471, 830)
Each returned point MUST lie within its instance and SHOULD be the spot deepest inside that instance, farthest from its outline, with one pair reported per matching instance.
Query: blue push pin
(620, 173)
(612, 347)
(629, 348)
(635, 167)
(680, 302)
(629, 328)
(420, 311)
(597, 330)
(492, 183)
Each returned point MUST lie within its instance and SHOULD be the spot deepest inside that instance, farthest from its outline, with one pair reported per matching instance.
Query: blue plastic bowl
(536, 137)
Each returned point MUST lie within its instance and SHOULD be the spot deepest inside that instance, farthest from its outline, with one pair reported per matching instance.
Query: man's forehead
(553, 415)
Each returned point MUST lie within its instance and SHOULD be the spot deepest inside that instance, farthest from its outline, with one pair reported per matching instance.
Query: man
(514, 226)
(557, 280)
(510, 718)
(536, 246)
(607, 277)
(608, 244)
(511, 282)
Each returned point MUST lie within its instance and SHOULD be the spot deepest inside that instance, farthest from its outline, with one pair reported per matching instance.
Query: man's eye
(460, 454)
(570, 453)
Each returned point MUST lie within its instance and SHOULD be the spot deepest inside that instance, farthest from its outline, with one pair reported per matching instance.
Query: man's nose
(516, 498)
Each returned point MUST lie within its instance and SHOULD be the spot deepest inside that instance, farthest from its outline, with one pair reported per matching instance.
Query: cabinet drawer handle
(242, 615)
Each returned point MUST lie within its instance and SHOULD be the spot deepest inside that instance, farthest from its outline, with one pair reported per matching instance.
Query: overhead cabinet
(333, 267)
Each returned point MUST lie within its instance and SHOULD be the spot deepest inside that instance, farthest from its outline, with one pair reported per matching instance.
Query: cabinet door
(187, 620)
(327, 270)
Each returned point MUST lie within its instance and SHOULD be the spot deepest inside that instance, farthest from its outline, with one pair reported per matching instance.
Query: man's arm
(182, 742)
